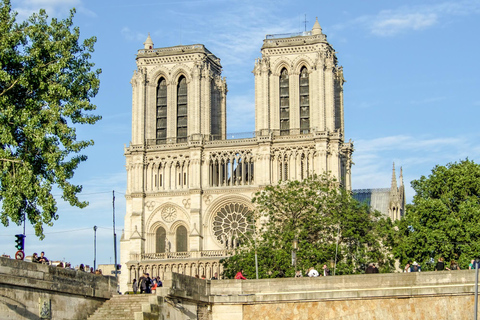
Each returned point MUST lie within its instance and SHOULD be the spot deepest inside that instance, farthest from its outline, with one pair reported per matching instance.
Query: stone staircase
(130, 307)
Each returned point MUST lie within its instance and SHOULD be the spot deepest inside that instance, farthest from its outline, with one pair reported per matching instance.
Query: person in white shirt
(312, 272)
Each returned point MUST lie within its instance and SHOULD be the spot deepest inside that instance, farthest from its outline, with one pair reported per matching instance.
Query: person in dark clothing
(135, 286)
(35, 258)
(142, 283)
(148, 284)
(440, 266)
(369, 269)
(42, 258)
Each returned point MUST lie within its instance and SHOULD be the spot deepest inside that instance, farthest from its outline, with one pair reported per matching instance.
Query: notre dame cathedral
(188, 187)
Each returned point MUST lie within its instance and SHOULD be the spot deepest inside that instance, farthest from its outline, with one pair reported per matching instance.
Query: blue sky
(411, 95)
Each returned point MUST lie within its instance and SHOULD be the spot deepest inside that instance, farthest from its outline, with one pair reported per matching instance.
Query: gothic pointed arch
(166, 214)
(280, 65)
(182, 109)
(160, 239)
(304, 90)
(161, 111)
(180, 70)
(158, 73)
(284, 98)
(301, 62)
(180, 231)
(156, 238)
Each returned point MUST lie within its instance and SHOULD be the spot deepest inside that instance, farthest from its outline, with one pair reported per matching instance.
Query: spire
(148, 44)
(394, 180)
(316, 27)
(401, 177)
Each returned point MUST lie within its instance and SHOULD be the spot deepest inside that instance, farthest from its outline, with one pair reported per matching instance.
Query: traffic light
(19, 242)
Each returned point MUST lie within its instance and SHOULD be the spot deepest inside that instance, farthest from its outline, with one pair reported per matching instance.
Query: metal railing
(288, 35)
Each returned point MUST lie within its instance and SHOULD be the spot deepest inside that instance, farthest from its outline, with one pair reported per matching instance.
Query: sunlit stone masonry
(189, 186)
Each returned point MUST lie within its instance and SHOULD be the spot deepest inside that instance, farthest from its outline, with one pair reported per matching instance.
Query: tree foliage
(319, 214)
(444, 218)
(46, 87)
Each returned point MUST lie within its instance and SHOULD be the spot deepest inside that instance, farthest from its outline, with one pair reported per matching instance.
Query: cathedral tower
(189, 189)
(178, 95)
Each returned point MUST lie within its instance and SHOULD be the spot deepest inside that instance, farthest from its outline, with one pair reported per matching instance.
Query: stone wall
(36, 291)
(425, 295)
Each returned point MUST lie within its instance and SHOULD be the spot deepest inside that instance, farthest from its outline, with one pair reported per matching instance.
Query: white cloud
(133, 35)
(389, 23)
(411, 18)
(54, 8)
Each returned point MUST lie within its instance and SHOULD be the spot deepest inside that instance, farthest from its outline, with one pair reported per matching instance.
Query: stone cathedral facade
(188, 187)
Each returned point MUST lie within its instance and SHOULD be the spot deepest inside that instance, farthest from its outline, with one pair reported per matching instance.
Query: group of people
(312, 273)
(146, 284)
(439, 266)
(67, 265)
(41, 259)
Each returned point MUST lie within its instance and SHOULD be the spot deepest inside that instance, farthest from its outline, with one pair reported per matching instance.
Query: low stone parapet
(32, 291)
(427, 295)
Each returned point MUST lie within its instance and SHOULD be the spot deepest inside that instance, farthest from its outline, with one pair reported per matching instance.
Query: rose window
(169, 214)
(230, 224)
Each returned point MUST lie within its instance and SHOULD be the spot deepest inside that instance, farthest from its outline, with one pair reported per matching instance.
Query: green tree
(319, 214)
(46, 87)
(444, 218)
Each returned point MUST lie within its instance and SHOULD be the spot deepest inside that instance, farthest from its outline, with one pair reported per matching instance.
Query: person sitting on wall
(326, 271)
(415, 267)
(42, 258)
(312, 273)
(440, 266)
(35, 258)
(239, 275)
(454, 265)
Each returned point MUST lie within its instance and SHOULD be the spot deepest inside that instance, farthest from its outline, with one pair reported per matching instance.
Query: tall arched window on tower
(160, 236)
(181, 239)
(284, 103)
(182, 110)
(304, 101)
(161, 135)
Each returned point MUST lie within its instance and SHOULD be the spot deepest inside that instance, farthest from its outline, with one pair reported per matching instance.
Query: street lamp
(95, 248)
(476, 265)
(294, 253)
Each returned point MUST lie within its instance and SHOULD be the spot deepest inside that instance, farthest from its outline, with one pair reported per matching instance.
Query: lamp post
(256, 259)
(95, 248)
(336, 249)
(294, 253)
(476, 265)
